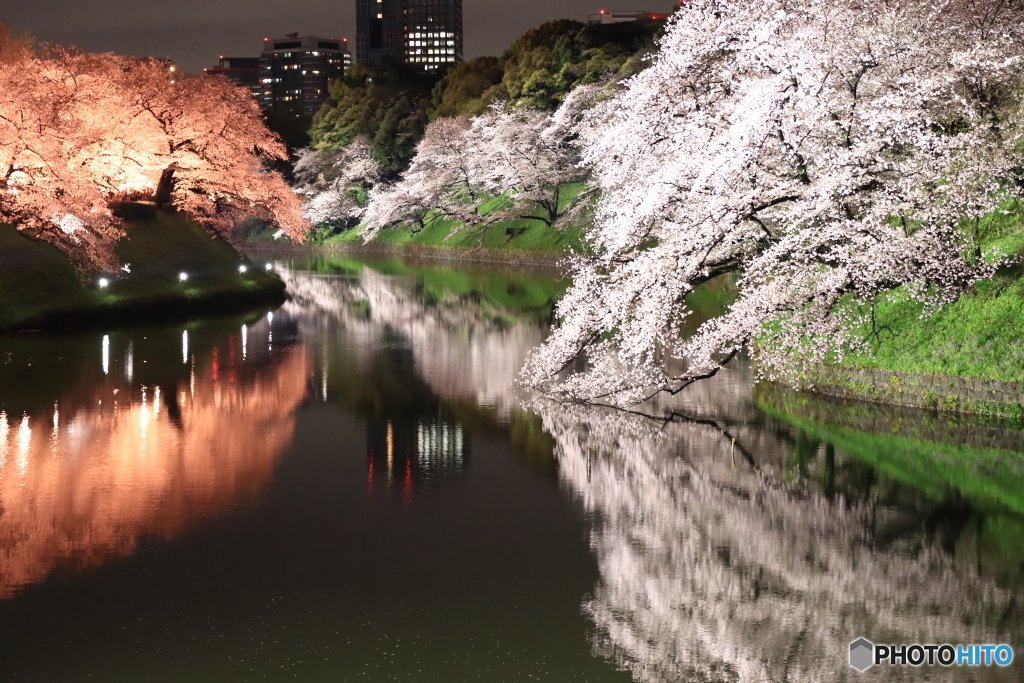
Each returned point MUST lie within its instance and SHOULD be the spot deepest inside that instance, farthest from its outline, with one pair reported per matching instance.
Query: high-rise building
(295, 70)
(423, 33)
(245, 71)
(606, 17)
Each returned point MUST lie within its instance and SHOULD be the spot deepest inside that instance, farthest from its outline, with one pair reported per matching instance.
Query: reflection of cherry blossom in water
(82, 485)
(457, 351)
(711, 569)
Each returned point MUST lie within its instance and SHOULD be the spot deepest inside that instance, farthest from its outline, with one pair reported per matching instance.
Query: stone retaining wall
(911, 423)
(935, 392)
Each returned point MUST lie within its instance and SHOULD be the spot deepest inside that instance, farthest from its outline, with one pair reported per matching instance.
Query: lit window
(380, 16)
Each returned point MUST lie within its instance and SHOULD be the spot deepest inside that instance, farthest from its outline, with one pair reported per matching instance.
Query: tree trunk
(165, 187)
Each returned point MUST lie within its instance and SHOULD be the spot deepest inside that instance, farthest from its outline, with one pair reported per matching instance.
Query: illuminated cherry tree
(829, 150)
(531, 157)
(336, 182)
(527, 156)
(79, 130)
(438, 183)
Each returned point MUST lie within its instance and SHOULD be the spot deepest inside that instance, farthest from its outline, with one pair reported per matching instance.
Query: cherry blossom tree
(830, 150)
(79, 130)
(528, 156)
(438, 183)
(337, 182)
(531, 157)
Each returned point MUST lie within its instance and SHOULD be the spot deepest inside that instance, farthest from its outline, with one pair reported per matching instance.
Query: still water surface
(348, 488)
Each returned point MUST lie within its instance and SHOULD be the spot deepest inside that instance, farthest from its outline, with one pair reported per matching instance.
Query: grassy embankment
(40, 287)
(976, 337)
(529, 236)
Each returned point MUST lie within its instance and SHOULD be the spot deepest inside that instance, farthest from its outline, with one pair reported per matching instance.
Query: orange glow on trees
(80, 130)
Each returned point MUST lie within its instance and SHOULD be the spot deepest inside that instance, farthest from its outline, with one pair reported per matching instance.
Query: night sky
(194, 33)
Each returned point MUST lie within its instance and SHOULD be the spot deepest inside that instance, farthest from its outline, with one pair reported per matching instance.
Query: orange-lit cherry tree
(80, 130)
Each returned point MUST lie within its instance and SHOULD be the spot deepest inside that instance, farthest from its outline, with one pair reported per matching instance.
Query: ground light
(242, 269)
(103, 282)
(182, 277)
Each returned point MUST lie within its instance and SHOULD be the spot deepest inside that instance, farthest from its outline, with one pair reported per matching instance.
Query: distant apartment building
(424, 33)
(607, 17)
(295, 70)
(244, 71)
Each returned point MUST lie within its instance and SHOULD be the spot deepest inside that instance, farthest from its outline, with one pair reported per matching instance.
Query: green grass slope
(978, 336)
(40, 287)
(513, 236)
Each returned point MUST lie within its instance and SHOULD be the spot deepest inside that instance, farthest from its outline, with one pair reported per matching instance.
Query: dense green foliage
(39, 285)
(388, 105)
(543, 65)
(468, 88)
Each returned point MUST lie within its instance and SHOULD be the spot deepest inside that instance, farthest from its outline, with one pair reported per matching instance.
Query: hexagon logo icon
(862, 654)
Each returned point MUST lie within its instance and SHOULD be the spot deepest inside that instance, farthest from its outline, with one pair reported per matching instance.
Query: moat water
(350, 487)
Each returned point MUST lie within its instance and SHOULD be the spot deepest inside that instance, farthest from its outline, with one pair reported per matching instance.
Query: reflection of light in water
(457, 349)
(129, 363)
(323, 375)
(439, 446)
(245, 340)
(94, 501)
(24, 439)
(391, 450)
(55, 432)
(184, 347)
(715, 572)
(143, 423)
(4, 429)
(106, 354)
(270, 332)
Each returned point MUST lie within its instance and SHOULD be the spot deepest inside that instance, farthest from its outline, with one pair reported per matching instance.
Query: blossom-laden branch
(78, 130)
(828, 150)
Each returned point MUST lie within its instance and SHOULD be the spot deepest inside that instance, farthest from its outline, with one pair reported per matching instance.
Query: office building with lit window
(243, 71)
(295, 70)
(606, 17)
(424, 33)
